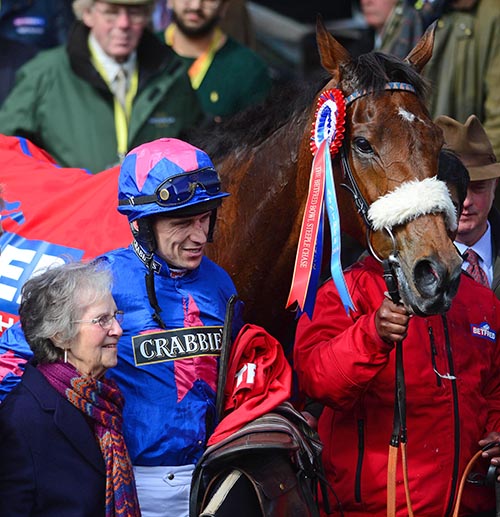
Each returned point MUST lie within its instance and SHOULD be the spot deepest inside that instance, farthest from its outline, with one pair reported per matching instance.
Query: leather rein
(399, 431)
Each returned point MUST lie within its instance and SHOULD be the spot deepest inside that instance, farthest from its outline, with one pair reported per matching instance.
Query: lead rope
(466, 473)
(399, 436)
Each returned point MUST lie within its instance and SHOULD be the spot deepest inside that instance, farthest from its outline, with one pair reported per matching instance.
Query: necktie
(120, 86)
(474, 269)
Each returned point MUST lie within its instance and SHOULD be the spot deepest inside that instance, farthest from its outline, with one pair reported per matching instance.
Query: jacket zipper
(359, 466)
(433, 355)
(456, 415)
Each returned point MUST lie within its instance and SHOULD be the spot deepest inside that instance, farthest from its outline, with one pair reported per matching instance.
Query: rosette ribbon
(326, 137)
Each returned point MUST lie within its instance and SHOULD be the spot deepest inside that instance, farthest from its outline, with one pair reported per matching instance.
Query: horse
(388, 197)
(390, 141)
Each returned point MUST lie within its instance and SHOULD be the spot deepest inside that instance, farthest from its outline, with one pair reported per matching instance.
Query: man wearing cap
(478, 236)
(113, 87)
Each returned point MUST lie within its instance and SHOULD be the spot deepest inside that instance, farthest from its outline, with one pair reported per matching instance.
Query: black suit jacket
(50, 461)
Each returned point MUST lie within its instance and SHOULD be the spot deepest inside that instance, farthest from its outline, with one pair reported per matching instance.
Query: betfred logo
(20, 259)
(483, 331)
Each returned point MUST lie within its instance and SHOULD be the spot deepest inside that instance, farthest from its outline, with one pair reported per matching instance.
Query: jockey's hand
(494, 452)
(391, 321)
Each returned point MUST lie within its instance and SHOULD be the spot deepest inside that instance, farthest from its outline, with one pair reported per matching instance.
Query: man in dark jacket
(113, 87)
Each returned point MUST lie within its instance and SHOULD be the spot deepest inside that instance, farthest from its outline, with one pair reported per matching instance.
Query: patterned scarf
(102, 402)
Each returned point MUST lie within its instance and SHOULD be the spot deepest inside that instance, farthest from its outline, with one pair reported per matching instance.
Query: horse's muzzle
(434, 287)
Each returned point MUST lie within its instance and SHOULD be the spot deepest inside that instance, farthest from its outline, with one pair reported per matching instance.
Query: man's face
(376, 12)
(117, 28)
(477, 205)
(181, 241)
(197, 18)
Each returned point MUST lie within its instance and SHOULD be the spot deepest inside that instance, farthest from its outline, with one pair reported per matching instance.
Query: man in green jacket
(227, 76)
(113, 87)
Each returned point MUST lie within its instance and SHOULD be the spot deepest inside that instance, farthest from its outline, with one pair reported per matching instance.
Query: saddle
(278, 453)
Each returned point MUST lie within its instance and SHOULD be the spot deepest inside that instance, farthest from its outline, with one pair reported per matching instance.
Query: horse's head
(391, 151)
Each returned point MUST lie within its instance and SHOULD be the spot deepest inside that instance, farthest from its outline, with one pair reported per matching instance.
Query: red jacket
(259, 379)
(341, 361)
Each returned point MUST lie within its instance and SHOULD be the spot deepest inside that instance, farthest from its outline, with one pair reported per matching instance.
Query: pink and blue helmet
(167, 175)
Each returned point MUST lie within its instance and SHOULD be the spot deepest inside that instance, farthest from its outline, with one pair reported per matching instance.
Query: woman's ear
(58, 341)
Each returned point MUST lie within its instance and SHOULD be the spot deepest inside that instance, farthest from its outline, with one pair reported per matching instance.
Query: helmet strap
(211, 227)
(150, 289)
(142, 230)
(145, 241)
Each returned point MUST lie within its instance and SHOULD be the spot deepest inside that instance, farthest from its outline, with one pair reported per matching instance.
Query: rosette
(329, 122)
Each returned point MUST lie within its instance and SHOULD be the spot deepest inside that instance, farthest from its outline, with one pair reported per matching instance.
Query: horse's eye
(362, 145)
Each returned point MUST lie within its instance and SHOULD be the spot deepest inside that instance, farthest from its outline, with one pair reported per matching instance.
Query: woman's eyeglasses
(105, 321)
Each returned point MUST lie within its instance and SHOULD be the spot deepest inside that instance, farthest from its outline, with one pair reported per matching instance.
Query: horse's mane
(251, 127)
(255, 124)
(373, 70)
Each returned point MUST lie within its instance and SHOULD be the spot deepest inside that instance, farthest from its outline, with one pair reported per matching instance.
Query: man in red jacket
(347, 362)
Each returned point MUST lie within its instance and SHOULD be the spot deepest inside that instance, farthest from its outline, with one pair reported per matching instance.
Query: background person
(347, 362)
(465, 66)
(14, 54)
(478, 235)
(464, 70)
(113, 87)
(61, 439)
(398, 24)
(42, 25)
(226, 75)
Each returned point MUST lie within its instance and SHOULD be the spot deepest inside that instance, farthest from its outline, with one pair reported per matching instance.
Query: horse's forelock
(374, 70)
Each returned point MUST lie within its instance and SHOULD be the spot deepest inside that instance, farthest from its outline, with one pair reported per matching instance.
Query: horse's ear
(331, 52)
(422, 51)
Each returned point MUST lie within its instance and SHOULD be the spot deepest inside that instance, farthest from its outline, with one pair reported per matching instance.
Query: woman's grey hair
(52, 300)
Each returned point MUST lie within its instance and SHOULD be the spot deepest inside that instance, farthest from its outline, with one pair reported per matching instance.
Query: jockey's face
(117, 28)
(181, 240)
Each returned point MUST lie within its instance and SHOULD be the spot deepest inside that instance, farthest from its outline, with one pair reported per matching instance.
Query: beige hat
(470, 142)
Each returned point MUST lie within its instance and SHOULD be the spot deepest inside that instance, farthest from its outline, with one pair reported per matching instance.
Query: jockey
(167, 370)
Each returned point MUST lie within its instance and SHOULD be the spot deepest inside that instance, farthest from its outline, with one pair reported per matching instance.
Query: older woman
(61, 445)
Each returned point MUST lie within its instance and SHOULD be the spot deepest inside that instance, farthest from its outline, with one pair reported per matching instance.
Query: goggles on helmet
(179, 189)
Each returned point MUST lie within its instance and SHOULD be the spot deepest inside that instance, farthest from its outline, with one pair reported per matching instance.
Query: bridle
(351, 184)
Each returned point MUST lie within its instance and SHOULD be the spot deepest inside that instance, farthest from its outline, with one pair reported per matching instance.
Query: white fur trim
(411, 200)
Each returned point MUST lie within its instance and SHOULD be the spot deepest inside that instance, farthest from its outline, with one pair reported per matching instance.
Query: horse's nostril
(428, 277)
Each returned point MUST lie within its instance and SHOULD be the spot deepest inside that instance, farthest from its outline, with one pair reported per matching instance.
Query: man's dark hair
(452, 171)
